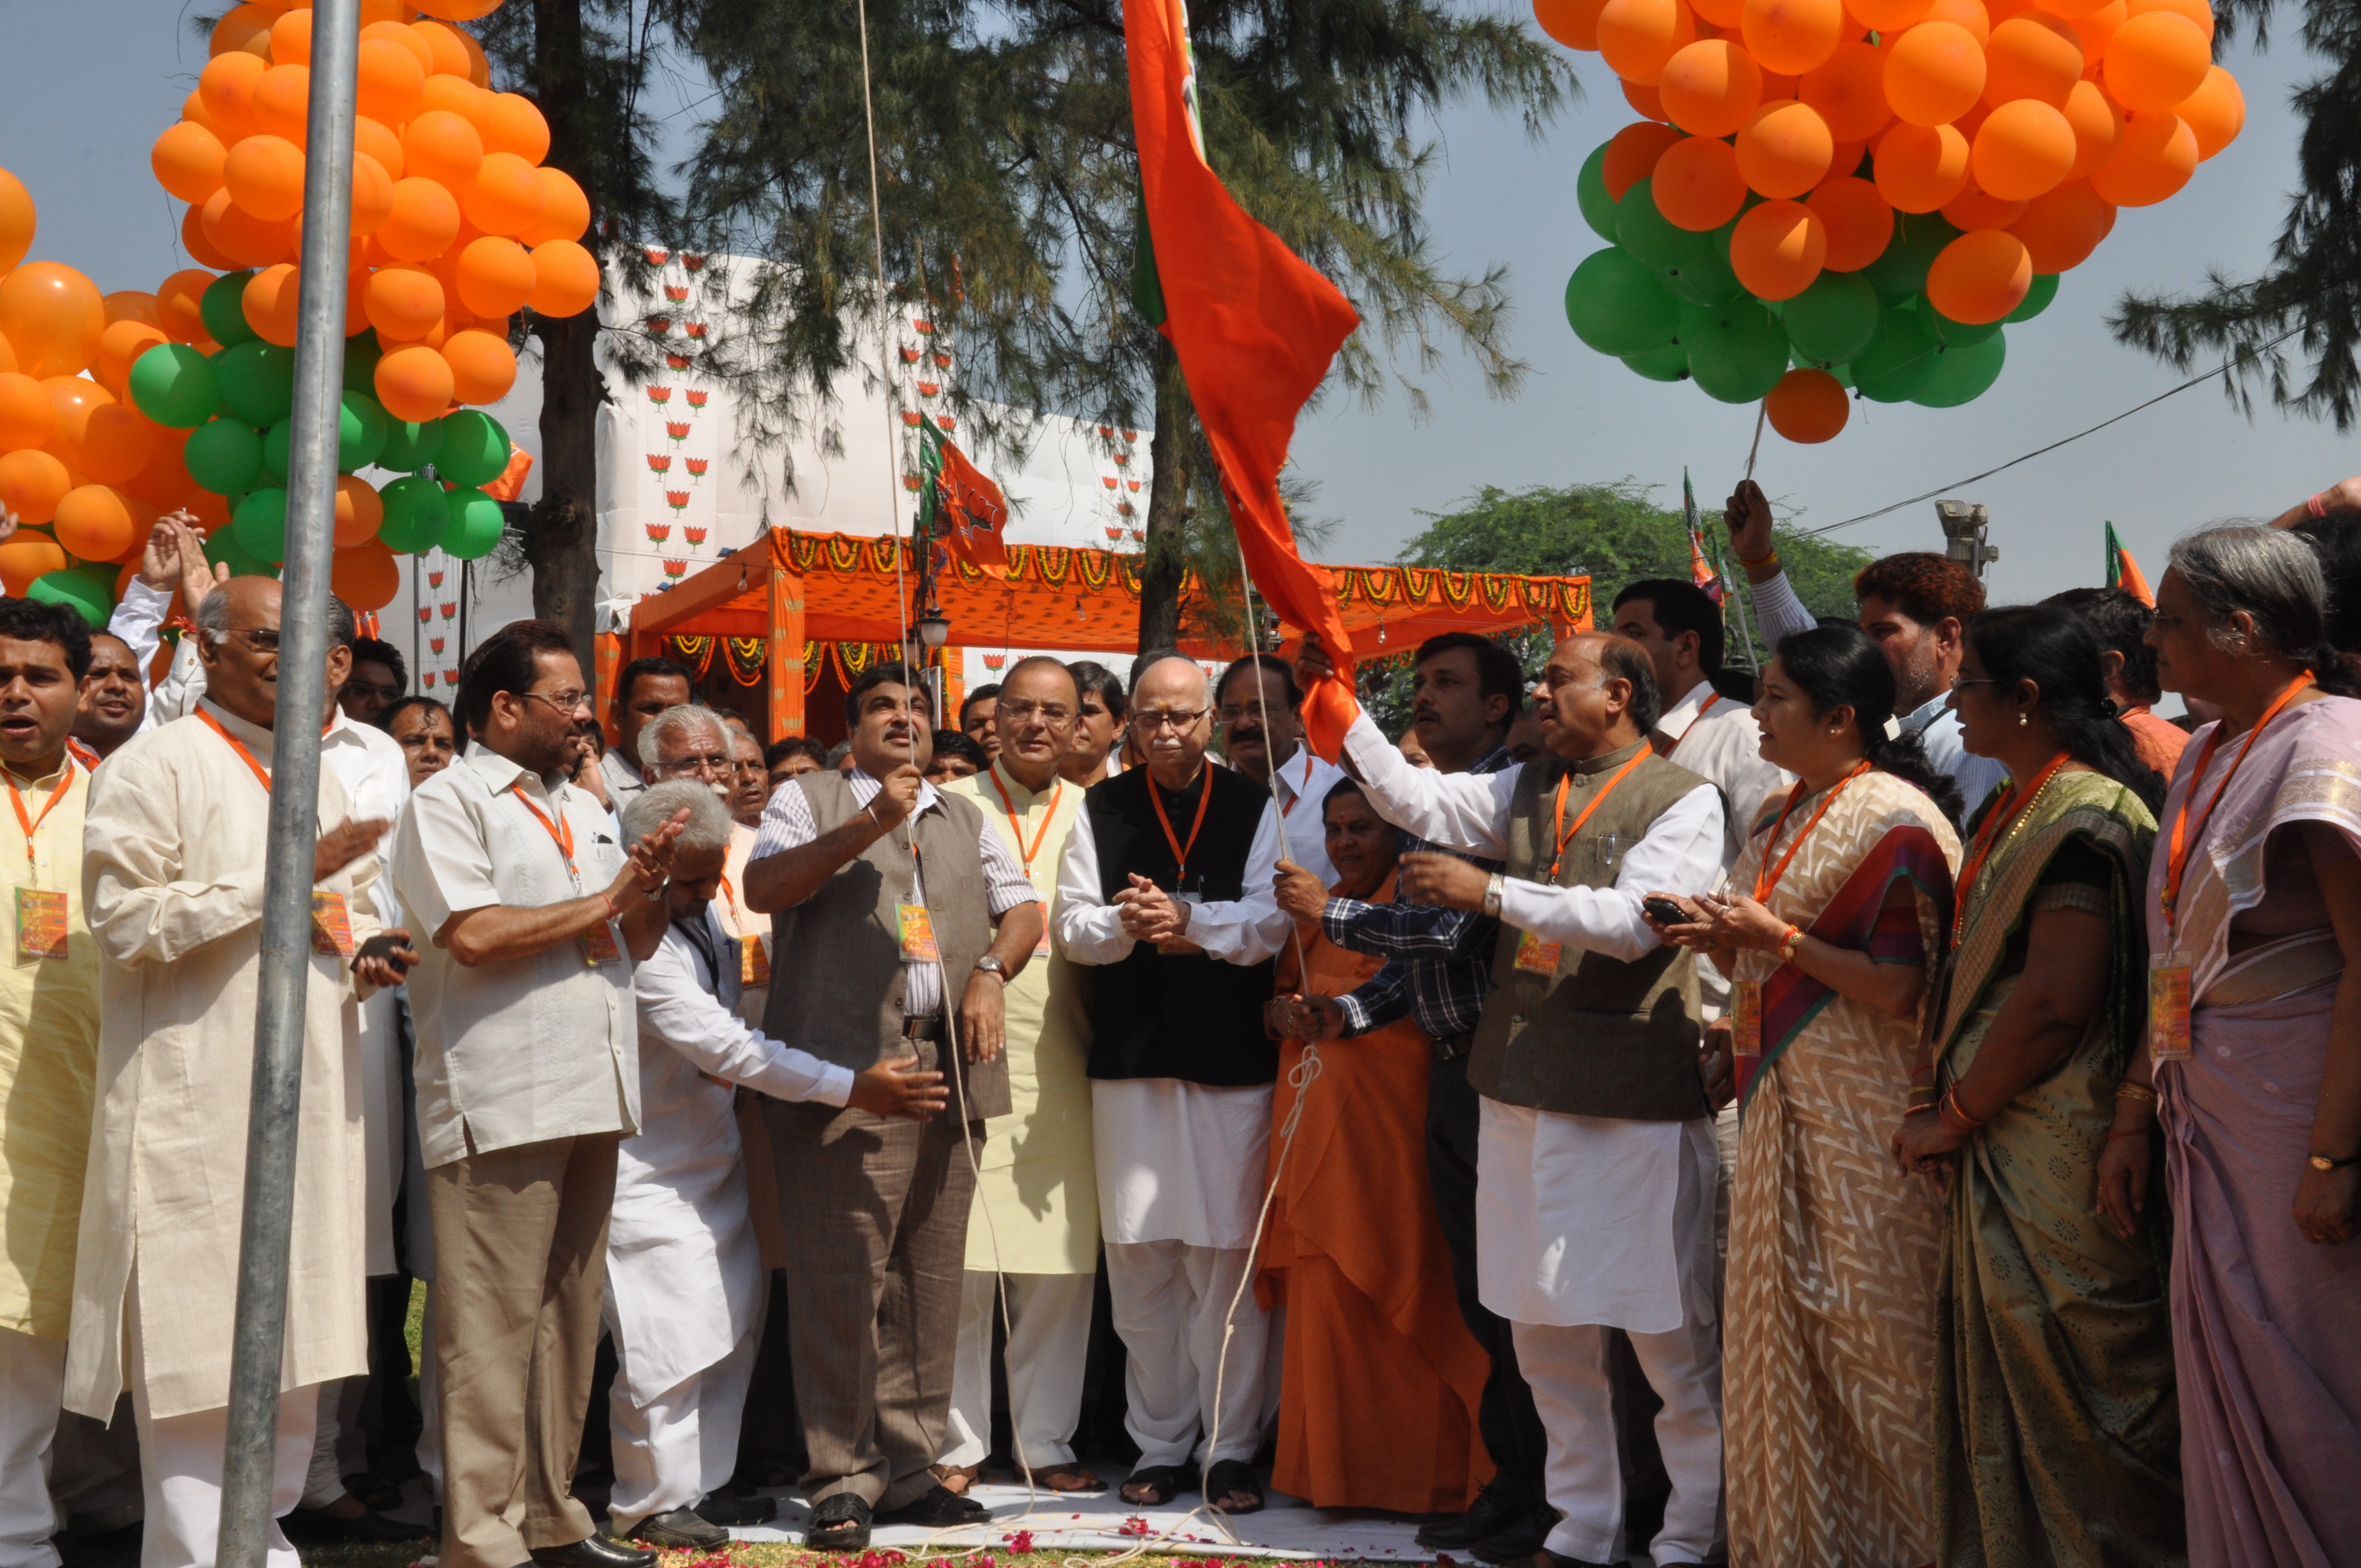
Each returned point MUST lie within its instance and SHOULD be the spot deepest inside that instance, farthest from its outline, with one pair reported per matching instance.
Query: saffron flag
(2124, 573)
(1254, 329)
(1703, 574)
(956, 491)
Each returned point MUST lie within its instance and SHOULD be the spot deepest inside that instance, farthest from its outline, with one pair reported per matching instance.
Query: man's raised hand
(896, 797)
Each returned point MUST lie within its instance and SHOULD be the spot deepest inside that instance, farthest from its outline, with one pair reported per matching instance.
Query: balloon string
(1761, 415)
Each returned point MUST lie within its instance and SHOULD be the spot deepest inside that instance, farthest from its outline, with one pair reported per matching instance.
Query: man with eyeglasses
(528, 1080)
(693, 741)
(379, 679)
(1255, 712)
(1035, 1227)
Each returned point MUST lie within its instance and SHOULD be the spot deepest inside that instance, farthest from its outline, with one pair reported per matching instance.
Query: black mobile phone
(1664, 911)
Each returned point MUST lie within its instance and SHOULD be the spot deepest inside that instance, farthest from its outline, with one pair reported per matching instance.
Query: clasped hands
(1149, 914)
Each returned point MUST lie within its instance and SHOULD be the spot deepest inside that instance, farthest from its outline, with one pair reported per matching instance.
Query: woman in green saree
(2057, 1436)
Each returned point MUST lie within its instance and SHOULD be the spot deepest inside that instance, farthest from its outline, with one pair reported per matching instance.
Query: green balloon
(410, 447)
(1902, 359)
(475, 448)
(258, 382)
(1833, 320)
(1959, 333)
(1965, 371)
(417, 514)
(259, 526)
(1901, 270)
(1653, 240)
(275, 441)
(1590, 194)
(1736, 351)
(2037, 298)
(475, 525)
(1667, 363)
(361, 432)
(1614, 304)
(221, 549)
(1706, 278)
(89, 591)
(173, 385)
(225, 456)
(361, 354)
(221, 307)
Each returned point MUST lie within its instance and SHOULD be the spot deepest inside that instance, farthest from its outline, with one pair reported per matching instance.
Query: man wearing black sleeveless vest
(1167, 888)
(1595, 1154)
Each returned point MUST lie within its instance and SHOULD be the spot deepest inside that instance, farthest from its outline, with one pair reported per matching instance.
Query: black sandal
(1232, 1476)
(1167, 1481)
(838, 1523)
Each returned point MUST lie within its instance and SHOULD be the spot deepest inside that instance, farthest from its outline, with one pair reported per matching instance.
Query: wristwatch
(991, 965)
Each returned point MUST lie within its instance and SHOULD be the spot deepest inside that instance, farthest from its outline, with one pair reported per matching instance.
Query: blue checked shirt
(1438, 962)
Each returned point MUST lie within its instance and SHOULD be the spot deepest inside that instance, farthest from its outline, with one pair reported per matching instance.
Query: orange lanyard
(29, 821)
(1692, 724)
(1289, 809)
(1766, 875)
(561, 832)
(1017, 829)
(1179, 850)
(2004, 815)
(1565, 833)
(2177, 861)
(235, 744)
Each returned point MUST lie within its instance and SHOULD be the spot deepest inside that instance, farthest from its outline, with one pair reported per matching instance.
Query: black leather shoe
(722, 1509)
(838, 1523)
(1520, 1537)
(678, 1530)
(938, 1510)
(1493, 1508)
(594, 1551)
(369, 1528)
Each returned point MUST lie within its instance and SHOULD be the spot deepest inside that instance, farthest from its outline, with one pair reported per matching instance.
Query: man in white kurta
(1034, 1229)
(172, 881)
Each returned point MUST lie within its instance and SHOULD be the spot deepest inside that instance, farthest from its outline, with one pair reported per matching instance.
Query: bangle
(2128, 1090)
(1919, 1109)
(1771, 560)
(1953, 1116)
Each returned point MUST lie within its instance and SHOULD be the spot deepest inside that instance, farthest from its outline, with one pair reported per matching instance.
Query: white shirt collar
(866, 785)
(257, 739)
(1927, 712)
(1674, 721)
(498, 773)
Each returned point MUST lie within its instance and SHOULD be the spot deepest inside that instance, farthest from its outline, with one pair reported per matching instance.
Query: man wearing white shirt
(1167, 887)
(173, 559)
(644, 688)
(1596, 1157)
(1698, 728)
(1260, 690)
(1913, 605)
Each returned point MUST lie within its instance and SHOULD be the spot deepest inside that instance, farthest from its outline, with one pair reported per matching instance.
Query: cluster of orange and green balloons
(116, 408)
(1834, 194)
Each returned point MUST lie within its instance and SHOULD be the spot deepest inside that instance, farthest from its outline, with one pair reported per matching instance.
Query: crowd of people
(1900, 1105)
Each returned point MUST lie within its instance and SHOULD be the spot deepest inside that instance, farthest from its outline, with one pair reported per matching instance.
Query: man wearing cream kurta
(172, 881)
(1034, 1225)
(49, 1055)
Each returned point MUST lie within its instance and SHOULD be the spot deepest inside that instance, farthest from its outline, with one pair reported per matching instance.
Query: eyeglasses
(1177, 718)
(260, 642)
(1230, 713)
(565, 702)
(370, 688)
(1047, 712)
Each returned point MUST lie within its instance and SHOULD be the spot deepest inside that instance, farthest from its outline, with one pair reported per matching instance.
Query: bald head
(1597, 695)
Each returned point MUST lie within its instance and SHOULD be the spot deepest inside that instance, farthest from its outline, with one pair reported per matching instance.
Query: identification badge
(1537, 957)
(1746, 1018)
(753, 963)
(918, 934)
(331, 924)
(600, 947)
(40, 925)
(2167, 1008)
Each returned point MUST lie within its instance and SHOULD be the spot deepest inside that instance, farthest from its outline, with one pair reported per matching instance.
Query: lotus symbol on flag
(1131, 435)
(658, 531)
(1123, 508)
(450, 679)
(1132, 485)
(659, 462)
(660, 396)
(695, 532)
(698, 396)
(435, 579)
(1106, 432)
(676, 499)
(695, 329)
(1122, 459)
(450, 611)
(923, 328)
(425, 612)
(698, 466)
(677, 428)
(929, 389)
(676, 361)
(1108, 480)
(660, 324)
(912, 417)
(942, 360)
(676, 570)
(909, 357)
(1114, 532)
(428, 680)
(435, 643)
(911, 482)
(945, 421)
(693, 262)
(994, 661)
(675, 294)
(657, 255)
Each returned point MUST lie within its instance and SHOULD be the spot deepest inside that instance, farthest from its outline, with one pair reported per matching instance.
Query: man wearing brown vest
(885, 895)
(1595, 1160)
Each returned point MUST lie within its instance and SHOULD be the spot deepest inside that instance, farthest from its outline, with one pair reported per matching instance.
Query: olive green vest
(1597, 1037)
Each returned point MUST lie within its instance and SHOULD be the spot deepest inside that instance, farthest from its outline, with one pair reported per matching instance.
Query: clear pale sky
(85, 88)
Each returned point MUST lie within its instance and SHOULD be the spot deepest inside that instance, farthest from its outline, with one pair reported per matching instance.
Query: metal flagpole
(257, 1341)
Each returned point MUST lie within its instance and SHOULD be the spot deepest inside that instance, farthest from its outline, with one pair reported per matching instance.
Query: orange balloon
(459, 10)
(130, 305)
(1808, 406)
(2033, 57)
(163, 482)
(2098, 126)
(403, 303)
(1979, 276)
(52, 317)
(479, 66)
(377, 139)
(2197, 11)
(211, 510)
(372, 202)
(1792, 37)
(512, 122)
(2156, 59)
(483, 367)
(2215, 113)
(1860, 222)
(27, 556)
(441, 42)
(2153, 161)
(187, 160)
(453, 94)
(93, 524)
(176, 304)
(1919, 167)
(407, 39)
(245, 29)
(202, 250)
(360, 510)
(505, 197)
(270, 304)
(1778, 249)
(2096, 30)
(2061, 230)
(1631, 154)
(1709, 87)
(442, 146)
(1647, 101)
(1639, 37)
(1845, 161)
(415, 383)
(242, 238)
(115, 443)
(495, 276)
(194, 111)
(2022, 148)
(290, 37)
(565, 211)
(424, 221)
(1934, 73)
(1573, 23)
(565, 279)
(282, 102)
(27, 418)
(1784, 148)
(1696, 184)
(226, 87)
(264, 174)
(1968, 13)
(391, 81)
(1973, 209)
(1887, 17)
(7, 358)
(118, 347)
(1726, 17)
(1849, 92)
(366, 574)
(32, 483)
(2074, 10)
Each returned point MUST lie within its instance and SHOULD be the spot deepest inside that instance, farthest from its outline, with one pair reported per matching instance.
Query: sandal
(1068, 1478)
(1164, 1483)
(956, 1479)
(838, 1523)
(1232, 1476)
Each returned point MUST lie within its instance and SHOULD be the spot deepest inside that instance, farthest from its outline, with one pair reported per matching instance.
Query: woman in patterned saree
(1837, 908)
(2057, 1436)
(2253, 1056)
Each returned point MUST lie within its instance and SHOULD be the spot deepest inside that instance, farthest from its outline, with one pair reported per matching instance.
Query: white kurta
(684, 1273)
(172, 881)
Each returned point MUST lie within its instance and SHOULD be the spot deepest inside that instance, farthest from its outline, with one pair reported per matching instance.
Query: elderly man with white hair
(685, 1285)
(694, 741)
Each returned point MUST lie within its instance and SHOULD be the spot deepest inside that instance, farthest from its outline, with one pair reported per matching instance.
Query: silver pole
(257, 1343)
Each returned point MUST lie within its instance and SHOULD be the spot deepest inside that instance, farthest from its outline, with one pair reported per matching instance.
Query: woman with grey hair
(2251, 1069)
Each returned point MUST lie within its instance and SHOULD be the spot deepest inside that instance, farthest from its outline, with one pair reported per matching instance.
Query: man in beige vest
(893, 894)
(1595, 1160)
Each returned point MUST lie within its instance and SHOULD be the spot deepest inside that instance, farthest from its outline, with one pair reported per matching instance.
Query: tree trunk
(1164, 565)
(561, 541)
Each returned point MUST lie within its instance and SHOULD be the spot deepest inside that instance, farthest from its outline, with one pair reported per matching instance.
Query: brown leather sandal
(956, 1479)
